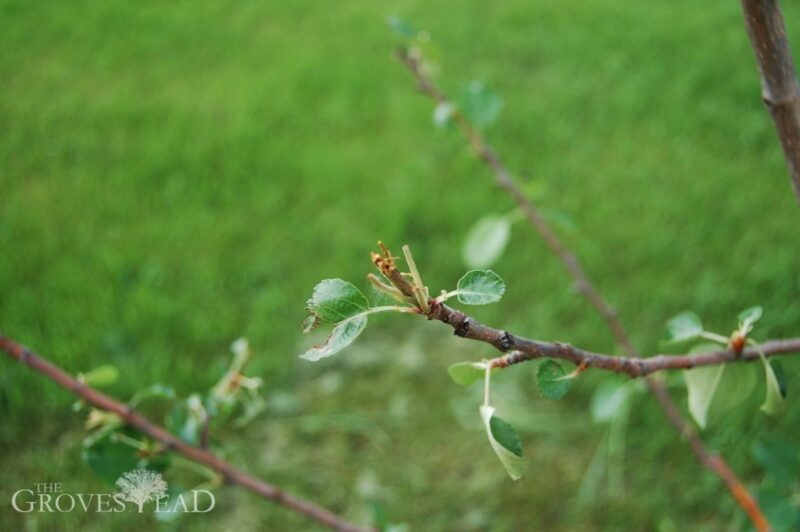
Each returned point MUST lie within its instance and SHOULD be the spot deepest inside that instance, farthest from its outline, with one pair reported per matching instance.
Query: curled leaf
(776, 387)
(342, 336)
(505, 442)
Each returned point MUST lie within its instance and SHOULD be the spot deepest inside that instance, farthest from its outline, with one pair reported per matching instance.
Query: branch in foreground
(522, 349)
(779, 87)
(231, 474)
(503, 177)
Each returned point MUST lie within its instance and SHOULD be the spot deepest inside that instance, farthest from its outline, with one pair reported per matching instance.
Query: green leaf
(401, 27)
(550, 377)
(774, 401)
(609, 400)
(506, 435)
(465, 373)
(684, 328)
(109, 459)
(443, 114)
(505, 442)
(480, 287)
(335, 300)
(486, 240)
(342, 336)
(701, 383)
(481, 104)
(102, 376)
(749, 316)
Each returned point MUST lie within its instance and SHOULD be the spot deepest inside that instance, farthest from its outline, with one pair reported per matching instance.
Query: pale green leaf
(480, 287)
(342, 336)
(101, 376)
(774, 401)
(465, 373)
(684, 328)
(481, 104)
(702, 383)
(443, 114)
(551, 379)
(335, 300)
(749, 316)
(609, 400)
(485, 241)
(504, 441)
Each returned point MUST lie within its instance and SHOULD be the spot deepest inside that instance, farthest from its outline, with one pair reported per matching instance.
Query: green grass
(175, 176)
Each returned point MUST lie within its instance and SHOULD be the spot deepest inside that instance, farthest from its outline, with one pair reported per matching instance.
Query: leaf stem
(486, 382)
(715, 337)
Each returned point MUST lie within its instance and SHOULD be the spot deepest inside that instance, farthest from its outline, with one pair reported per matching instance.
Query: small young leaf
(101, 376)
(684, 328)
(481, 104)
(335, 300)
(401, 27)
(748, 317)
(504, 441)
(480, 287)
(609, 400)
(486, 240)
(465, 373)
(342, 336)
(550, 377)
(702, 383)
(773, 402)
(443, 114)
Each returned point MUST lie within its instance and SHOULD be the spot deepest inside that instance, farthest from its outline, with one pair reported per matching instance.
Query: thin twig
(519, 349)
(231, 474)
(586, 288)
(779, 87)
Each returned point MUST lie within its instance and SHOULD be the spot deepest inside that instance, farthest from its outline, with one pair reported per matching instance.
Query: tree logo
(141, 485)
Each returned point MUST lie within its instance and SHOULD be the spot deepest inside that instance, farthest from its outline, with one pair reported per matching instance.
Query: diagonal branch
(504, 179)
(779, 87)
(231, 474)
(520, 349)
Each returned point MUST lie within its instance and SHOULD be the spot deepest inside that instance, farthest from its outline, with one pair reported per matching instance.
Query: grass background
(174, 176)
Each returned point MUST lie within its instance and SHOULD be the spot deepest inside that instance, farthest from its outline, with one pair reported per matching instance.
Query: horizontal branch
(520, 349)
(231, 474)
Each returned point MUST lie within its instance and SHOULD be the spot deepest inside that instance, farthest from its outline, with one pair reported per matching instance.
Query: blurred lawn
(177, 175)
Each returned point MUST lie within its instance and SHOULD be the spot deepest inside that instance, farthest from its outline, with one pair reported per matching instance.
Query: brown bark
(779, 87)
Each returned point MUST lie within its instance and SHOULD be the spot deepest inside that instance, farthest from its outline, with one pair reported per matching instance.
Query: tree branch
(520, 349)
(779, 87)
(585, 287)
(231, 474)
